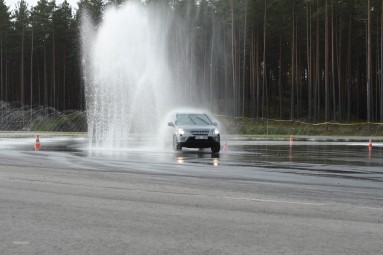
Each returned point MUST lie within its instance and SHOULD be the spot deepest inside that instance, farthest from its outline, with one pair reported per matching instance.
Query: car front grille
(200, 132)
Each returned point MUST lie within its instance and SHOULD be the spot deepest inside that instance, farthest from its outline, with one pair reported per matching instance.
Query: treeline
(39, 55)
(318, 60)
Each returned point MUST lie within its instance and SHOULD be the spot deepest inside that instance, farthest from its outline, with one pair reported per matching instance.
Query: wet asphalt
(258, 196)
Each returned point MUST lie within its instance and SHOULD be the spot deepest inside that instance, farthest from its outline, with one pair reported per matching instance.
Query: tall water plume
(145, 59)
(126, 72)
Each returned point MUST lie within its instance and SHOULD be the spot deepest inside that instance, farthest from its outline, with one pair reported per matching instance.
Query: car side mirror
(171, 124)
(215, 124)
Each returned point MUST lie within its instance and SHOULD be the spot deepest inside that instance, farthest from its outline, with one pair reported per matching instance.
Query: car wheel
(216, 149)
(176, 145)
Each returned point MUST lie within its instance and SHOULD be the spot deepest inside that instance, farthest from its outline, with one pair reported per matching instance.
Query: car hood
(196, 127)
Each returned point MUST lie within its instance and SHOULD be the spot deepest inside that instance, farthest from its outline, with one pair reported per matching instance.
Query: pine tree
(21, 17)
(5, 27)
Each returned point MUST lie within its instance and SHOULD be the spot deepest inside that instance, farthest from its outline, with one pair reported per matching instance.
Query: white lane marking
(20, 242)
(273, 201)
(370, 208)
(293, 202)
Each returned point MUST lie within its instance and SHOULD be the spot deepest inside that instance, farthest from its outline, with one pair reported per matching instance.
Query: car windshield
(192, 119)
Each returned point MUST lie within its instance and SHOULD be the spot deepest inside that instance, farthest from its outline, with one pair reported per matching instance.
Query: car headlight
(181, 131)
(216, 131)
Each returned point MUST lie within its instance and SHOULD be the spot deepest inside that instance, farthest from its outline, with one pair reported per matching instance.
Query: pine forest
(312, 60)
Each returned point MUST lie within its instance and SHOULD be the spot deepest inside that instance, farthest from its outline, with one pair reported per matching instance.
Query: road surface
(252, 199)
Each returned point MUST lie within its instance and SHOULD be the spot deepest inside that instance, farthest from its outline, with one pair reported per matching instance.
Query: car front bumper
(193, 142)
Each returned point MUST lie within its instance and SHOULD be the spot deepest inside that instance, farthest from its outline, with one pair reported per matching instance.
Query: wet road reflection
(197, 157)
(317, 154)
(305, 158)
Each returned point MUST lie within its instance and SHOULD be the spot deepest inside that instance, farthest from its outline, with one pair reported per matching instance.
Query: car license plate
(201, 137)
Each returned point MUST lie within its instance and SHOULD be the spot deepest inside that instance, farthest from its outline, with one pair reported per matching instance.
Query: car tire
(176, 145)
(216, 149)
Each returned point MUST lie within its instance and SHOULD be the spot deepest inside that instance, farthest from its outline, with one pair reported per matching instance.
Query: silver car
(195, 130)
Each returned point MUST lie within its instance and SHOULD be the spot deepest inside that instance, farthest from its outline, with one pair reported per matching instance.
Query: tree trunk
(369, 62)
(317, 74)
(257, 68)
(31, 81)
(205, 67)
(349, 83)
(298, 82)
(45, 79)
(333, 61)
(1, 68)
(308, 32)
(252, 76)
(292, 66)
(64, 82)
(280, 78)
(211, 70)
(22, 68)
(381, 66)
(6, 78)
(339, 64)
(233, 59)
(226, 107)
(376, 72)
(244, 62)
(54, 68)
(327, 108)
(264, 62)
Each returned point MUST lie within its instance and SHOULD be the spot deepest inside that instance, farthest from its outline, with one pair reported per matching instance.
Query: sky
(12, 3)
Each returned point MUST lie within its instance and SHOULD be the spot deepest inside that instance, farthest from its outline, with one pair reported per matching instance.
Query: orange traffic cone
(37, 144)
(291, 140)
(225, 147)
(370, 145)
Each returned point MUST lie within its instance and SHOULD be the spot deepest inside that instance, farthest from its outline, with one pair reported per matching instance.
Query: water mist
(126, 73)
